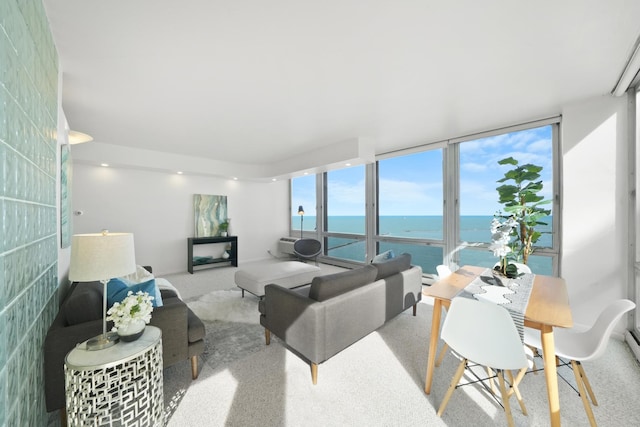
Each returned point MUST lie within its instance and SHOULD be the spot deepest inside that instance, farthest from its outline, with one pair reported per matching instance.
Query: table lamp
(101, 257)
(301, 213)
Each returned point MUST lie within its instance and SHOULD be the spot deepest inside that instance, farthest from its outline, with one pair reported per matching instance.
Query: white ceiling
(254, 81)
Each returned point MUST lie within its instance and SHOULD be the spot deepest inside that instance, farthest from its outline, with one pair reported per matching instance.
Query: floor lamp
(301, 213)
(101, 257)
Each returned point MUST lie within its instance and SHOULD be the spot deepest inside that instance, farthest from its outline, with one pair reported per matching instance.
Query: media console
(211, 261)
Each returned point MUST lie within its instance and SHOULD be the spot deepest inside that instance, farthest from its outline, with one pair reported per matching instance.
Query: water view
(473, 229)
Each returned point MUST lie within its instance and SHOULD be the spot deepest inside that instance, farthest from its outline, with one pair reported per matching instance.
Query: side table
(116, 386)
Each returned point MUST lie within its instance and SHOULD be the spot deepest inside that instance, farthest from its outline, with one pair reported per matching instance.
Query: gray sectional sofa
(319, 320)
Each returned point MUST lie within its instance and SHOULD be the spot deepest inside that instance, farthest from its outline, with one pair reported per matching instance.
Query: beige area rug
(226, 306)
(378, 381)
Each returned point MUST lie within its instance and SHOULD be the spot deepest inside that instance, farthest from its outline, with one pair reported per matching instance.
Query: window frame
(451, 194)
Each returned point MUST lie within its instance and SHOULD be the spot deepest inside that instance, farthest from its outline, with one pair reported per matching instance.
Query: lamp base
(103, 341)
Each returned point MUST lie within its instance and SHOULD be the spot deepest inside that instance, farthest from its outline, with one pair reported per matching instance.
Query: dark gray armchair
(80, 318)
(308, 249)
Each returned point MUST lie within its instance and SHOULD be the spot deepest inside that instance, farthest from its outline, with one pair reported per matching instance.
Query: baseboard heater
(285, 245)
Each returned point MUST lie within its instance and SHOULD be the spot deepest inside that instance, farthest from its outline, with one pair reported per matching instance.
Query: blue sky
(412, 184)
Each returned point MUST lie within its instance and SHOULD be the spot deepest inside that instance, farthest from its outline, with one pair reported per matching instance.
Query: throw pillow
(383, 256)
(393, 266)
(331, 285)
(117, 290)
(141, 275)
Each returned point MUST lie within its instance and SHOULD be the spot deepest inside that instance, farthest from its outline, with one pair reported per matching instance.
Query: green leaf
(508, 161)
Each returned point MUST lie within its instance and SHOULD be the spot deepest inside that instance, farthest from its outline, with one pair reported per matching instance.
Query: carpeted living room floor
(378, 381)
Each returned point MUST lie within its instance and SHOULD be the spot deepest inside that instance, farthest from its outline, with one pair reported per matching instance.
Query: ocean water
(472, 229)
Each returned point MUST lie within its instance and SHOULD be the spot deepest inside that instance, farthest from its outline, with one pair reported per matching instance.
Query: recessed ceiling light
(306, 173)
(104, 165)
(273, 179)
(179, 172)
(347, 164)
(235, 178)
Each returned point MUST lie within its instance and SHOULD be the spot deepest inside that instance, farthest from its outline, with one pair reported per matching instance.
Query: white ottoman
(289, 274)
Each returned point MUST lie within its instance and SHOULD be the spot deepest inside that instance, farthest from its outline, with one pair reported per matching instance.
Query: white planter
(132, 331)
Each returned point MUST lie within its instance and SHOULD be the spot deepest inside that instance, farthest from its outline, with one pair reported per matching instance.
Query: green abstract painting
(209, 212)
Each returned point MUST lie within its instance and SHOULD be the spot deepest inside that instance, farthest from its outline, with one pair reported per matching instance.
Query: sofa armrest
(297, 320)
(57, 344)
(171, 318)
(412, 285)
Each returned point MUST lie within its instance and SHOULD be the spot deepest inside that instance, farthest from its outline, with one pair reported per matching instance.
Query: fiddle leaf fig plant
(519, 193)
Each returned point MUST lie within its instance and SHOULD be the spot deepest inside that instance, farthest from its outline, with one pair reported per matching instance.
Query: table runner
(514, 295)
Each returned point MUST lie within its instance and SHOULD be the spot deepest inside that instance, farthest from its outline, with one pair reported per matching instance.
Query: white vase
(132, 331)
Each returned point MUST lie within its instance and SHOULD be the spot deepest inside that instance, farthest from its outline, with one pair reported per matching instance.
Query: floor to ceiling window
(303, 196)
(410, 201)
(345, 214)
(479, 199)
(436, 202)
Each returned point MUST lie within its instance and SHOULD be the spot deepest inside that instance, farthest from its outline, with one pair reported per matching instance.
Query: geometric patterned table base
(123, 393)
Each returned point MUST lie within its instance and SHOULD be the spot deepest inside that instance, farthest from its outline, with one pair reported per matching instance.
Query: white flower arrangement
(134, 306)
(501, 240)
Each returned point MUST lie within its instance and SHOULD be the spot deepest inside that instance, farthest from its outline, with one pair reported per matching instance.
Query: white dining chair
(580, 346)
(484, 333)
(443, 271)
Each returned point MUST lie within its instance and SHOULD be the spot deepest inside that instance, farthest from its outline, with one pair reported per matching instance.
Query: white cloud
(409, 198)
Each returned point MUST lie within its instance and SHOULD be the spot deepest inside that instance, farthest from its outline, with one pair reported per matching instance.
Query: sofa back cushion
(331, 285)
(392, 266)
(84, 304)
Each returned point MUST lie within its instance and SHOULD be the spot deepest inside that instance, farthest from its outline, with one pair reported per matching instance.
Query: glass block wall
(28, 240)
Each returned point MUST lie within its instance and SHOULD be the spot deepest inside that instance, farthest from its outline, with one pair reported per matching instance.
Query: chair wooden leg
(515, 390)
(583, 394)
(452, 386)
(267, 336)
(587, 385)
(535, 352)
(314, 373)
(492, 384)
(194, 367)
(443, 351)
(415, 308)
(505, 398)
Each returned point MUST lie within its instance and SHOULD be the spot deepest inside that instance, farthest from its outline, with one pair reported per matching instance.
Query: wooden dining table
(548, 308)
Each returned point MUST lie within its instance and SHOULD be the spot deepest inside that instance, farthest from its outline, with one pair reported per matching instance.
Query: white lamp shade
(101, 256)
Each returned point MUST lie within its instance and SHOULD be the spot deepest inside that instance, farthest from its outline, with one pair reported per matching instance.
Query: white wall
(595, 203)
(158, 208)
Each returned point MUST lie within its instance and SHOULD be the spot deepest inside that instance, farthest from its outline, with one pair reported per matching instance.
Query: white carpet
(226, 306)
(379, 381)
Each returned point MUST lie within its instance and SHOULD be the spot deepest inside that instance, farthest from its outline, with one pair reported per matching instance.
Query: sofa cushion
(117, 290)
(331, 285)
(393, 266)
(84, 304)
